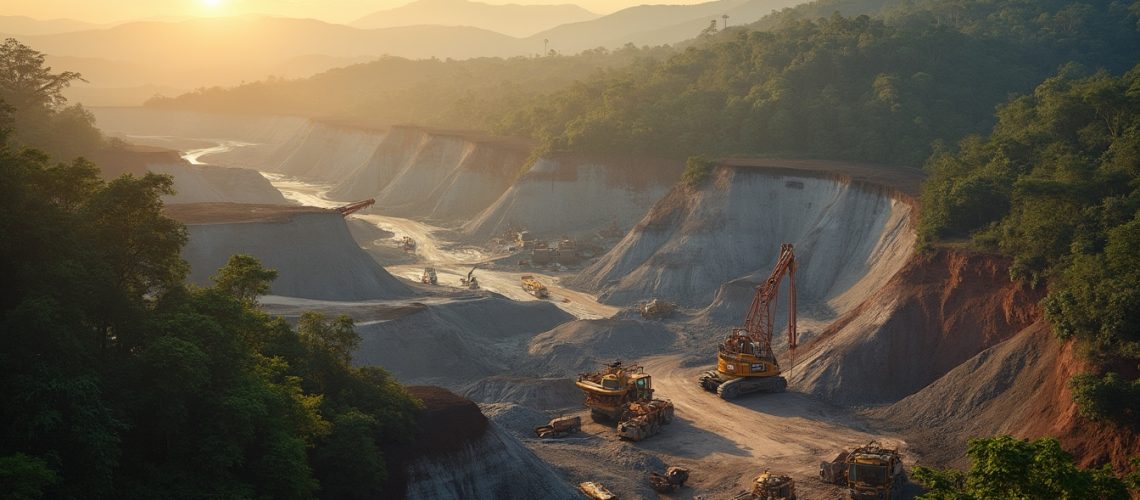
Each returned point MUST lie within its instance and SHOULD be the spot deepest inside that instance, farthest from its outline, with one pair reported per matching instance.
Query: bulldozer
(769, 486)
(534, 287)
(870, 471)
(745, 361)
(610, 391)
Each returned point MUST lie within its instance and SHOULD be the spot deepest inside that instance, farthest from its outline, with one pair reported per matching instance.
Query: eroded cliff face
(439, 176)
(575, 196)
(708, 246)
(933, 315)
(457, 453)
(952, 349)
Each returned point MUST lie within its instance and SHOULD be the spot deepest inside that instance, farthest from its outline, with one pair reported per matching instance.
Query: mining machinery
(346, 210)
(470, 282)
(770, 486)
(534, 287)
(429, 276)
(745, 361)
(624, 394)
(870, 471)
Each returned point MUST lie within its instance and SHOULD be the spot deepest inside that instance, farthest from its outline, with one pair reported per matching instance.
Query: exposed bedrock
(709, 246)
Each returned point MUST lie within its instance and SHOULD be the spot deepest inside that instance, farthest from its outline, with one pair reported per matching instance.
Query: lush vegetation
(117, 380)
(1056, 186)
(1005, 467)
(452, 94)
(32, 101)
(845, 88)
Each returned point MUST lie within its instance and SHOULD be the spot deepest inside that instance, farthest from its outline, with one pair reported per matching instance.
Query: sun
(212, 4)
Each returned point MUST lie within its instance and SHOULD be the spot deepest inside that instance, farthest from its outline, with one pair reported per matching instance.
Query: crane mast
(745, 359)
(758, 323)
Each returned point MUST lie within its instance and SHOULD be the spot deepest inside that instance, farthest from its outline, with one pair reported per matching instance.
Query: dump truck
(745, 361)
(610, 391)
(408, 244)
(644, 418)
(429, 277)
(559, 427)
(534, 287)
(673, 479)
(770, 486)
(870, 471)
(657, 309)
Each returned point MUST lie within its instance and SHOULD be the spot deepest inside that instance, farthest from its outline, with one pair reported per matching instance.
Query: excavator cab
(611, 382)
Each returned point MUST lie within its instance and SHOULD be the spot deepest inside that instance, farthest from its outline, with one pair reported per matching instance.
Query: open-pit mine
(916, 351)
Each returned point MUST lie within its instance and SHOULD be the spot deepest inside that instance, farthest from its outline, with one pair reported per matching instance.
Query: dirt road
(788, 432)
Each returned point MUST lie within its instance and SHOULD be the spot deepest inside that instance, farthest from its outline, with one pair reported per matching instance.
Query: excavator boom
(758, 322)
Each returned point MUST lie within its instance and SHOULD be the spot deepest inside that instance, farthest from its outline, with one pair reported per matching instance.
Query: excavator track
(736, 387)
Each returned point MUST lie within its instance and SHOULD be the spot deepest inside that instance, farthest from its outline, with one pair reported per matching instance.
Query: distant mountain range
(511, 19)
(22, 25)
(196, 52)
(656, 24)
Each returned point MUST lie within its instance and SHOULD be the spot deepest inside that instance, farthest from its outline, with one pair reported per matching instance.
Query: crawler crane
(745, 361)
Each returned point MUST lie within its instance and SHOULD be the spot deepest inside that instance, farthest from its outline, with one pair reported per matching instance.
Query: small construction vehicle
(644, 418)
(559, 427)
(408, 244)
(657, 309)
(470, 282)
(534, 287)
(596, 491)
(429, 277)
(745, 361)
(673, 479)
(870, 471)
(769, 486)
(611, 390)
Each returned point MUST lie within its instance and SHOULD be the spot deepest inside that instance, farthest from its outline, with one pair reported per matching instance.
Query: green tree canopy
(1009, 468)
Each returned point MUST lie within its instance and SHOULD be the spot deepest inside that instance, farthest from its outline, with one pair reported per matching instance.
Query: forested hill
(880, 90)
(466, 94)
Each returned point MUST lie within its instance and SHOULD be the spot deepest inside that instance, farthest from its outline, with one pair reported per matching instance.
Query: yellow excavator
(745, 361)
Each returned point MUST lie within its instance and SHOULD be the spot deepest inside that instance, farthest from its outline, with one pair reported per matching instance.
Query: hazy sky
(339, 11)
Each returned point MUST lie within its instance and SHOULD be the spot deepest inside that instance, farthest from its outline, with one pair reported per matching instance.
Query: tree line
(120, 380)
